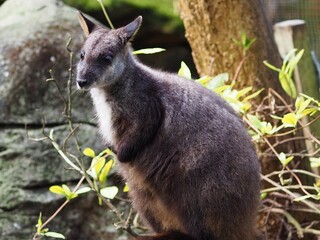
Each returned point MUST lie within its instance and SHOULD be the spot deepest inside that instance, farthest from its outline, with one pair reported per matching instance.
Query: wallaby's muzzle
(82, 83)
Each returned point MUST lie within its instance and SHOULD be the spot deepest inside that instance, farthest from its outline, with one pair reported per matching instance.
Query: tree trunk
(212, 29)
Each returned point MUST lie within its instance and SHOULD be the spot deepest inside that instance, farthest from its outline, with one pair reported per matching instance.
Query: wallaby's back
(188, 160)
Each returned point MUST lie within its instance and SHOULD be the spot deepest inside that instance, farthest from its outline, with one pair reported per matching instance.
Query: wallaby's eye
(106, 59)
(82, 55)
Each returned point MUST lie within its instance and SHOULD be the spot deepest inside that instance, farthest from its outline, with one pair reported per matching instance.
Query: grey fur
(187, 157)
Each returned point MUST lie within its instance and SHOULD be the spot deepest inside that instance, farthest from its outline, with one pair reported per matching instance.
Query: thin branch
(299, 182)
(59, 209)
(236, 75)
(68, 106)
(71, 133)
(290, 219)
(53, 79)
(295, 171)
(106, 14)
(306, 202)
(63, 155)
(274, 189)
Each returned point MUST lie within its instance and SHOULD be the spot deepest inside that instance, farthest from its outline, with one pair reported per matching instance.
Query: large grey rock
(33, 36)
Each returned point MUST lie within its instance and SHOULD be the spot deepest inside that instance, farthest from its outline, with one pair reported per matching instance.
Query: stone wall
(33, 37)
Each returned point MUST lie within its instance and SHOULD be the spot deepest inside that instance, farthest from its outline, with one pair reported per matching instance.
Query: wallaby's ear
(132, 28)
(86, 25)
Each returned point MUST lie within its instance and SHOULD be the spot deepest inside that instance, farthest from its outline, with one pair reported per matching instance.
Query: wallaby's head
(104, 55)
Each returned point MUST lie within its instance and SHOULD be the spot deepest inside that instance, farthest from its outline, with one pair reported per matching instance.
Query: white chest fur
(104, 113)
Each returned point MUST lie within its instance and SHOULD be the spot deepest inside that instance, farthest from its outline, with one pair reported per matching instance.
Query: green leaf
(83, 190)
(290, 120)
(308, 111)
(71, 196)
(218, 81)
(66, 189)
(293, 62)
(148, 51)
(298, 102)
(271, 66)
(109, 152)
(312, 99)
(57, 190)
(222, 88)
(246, 41)
(286, 71)
(203, 80)
(266, 128)
(39, 225)
(98, 165)
(126, 188)
(54, 235)
(243, 92)
(287, 84)
(287, 181)
(255, 121)
(288, 160)
(314, 162)
(184, 71)
(89, 152)
(249, 43)
(303, 106)
(109, 192)
(255, 137)
(284, 160)
(289, 55)
(282, 157)
(263, 195)
(105, 172)
(275, 117)
(105, 153)
(245, 107)
(253, 95)
(285, 76)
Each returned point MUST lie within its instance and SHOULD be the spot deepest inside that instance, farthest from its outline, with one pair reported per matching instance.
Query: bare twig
(106, 14)
(236, 75)
(294, 195)
(58, 210)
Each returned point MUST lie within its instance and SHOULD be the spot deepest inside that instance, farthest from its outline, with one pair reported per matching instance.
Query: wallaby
(191, 168)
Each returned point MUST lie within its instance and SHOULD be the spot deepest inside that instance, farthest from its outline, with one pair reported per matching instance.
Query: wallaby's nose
(81, 83)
